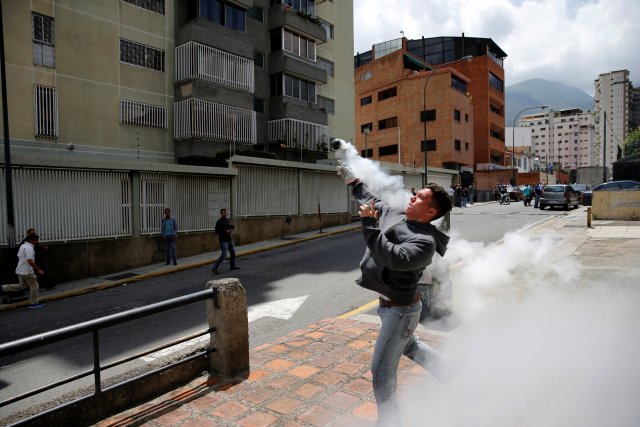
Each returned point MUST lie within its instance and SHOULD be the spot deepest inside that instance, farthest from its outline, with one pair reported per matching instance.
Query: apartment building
(486, 88)
(391, 113)
(167, 81)
(612, 109)
(561, 140)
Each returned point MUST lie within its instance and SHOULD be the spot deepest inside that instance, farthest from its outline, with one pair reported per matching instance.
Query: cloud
(571, 41)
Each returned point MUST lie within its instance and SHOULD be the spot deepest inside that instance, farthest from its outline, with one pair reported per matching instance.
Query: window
(223, 13)
(427, 116)
(494, 134)
(43, 40)
(258, 105)
(466, 146)
(494, 109)
(326, 65)
(365, 75)
(141, 55)
(156, 6)
(495, 82)
(388, 150)
(430, 145)
(258, 58)
(328, 28)
(328, 104)
(456, 115)
(46, 111)
(466, 118)
(366, 126)
(459, 84)
(139, 114)
(284, 84)
(367, 153)
(391, 122)
(457, 144)
(298, 45)
(387, 93)
(257, 13)
(305, 6)
(366, 100)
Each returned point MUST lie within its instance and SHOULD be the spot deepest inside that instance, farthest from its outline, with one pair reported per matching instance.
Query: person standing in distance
(169, 230)
(400, 245)
(223, 229)
(26, 271)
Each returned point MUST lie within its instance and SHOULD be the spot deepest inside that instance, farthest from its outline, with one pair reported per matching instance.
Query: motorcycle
(505, 199)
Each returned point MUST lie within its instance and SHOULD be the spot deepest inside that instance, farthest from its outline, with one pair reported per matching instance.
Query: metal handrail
(93, 327)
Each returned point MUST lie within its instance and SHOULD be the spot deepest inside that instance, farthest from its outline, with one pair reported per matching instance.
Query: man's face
(420, 206)
(167, 213)
(223, 214)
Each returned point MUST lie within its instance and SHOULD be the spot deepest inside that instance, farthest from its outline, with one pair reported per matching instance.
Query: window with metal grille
(327, 65)
(140, 114)
(46, 111)
(141, 55)
(43, 40)
(156, 6)
(328, 104)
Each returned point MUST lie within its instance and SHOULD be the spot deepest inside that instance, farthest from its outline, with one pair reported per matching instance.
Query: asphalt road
(319, 273)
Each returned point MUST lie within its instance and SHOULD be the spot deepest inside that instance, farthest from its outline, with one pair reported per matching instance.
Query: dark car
(558, 195)
(580, 189)
(609, 186)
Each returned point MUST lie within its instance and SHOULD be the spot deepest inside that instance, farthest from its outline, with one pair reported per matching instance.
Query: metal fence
(325, 190)
(195, 201)
(267, 191)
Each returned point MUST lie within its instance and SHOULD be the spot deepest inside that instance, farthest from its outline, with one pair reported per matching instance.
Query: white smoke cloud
(387, 187)
(538, 344)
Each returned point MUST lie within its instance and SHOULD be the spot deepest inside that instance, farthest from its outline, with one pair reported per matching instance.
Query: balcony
(210, 121)
(299, 134)
(196, 61)
(282, 15)
(282, 61)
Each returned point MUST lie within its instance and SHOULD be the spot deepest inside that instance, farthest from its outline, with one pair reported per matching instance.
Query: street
(319, 274)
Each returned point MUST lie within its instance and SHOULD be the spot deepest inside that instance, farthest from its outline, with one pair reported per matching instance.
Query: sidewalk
(319, 376)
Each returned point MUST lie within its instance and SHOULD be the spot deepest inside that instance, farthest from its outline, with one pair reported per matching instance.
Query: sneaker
(175, 262)
(215, 270)
(36, 305)
(235, 268)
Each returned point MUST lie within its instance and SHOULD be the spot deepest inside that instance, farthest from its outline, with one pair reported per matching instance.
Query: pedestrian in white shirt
(26, 271)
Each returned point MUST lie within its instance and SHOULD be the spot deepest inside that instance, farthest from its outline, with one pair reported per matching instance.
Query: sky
(569, 41)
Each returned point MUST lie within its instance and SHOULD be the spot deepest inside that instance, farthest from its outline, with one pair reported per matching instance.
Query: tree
(632, 143)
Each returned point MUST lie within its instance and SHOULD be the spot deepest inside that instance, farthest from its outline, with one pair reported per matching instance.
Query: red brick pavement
(318, 376)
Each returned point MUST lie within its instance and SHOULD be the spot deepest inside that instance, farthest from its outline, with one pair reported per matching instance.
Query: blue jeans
(395, 339)
(537, 201)
(226, 247)
(170, 249)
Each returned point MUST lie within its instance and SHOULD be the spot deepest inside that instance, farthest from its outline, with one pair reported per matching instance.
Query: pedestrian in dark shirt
(223, 229)
(169, 231)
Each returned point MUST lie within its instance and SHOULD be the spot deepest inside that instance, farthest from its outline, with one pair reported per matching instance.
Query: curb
(112, 284)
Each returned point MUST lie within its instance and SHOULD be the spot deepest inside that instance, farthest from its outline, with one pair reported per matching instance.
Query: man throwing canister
(400, 244)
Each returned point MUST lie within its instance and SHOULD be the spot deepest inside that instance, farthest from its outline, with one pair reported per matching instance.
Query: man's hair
(440, 199)
(30, 231)
(31, 238)
(223, 210)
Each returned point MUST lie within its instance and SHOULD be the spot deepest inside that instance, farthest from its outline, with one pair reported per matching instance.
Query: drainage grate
(121, 276)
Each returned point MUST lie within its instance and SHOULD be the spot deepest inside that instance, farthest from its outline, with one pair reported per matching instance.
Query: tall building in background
(635, 109)
(612, 100)
(561, 140)
(486, 88)
(167, 81)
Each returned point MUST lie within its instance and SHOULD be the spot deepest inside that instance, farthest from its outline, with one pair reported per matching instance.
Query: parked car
(558, 195)
(608, 186)
(580, 189)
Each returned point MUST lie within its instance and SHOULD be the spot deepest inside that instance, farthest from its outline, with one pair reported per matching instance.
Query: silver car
(558, 195)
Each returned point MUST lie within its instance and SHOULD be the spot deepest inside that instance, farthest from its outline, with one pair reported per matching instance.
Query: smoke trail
(387, 187)
(539, 345)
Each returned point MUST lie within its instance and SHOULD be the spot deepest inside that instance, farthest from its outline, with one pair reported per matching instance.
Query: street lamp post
(366, 136)
(467, 58)
(513, 142)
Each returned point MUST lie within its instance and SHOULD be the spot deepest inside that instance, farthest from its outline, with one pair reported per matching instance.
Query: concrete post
(228, 315)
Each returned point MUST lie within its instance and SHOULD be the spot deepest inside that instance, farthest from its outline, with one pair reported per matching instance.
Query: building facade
(561, 140)
(167, 81)
(612, 101)
(391, 114)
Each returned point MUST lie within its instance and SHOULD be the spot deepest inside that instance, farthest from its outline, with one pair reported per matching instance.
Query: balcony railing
(210, 121)
(196, 61)
(299, 134)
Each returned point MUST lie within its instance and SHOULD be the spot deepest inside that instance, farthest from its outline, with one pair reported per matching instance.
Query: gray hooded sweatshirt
(398, 250)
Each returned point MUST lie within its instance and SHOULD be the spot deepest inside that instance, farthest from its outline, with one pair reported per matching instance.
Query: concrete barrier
(622, 205)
